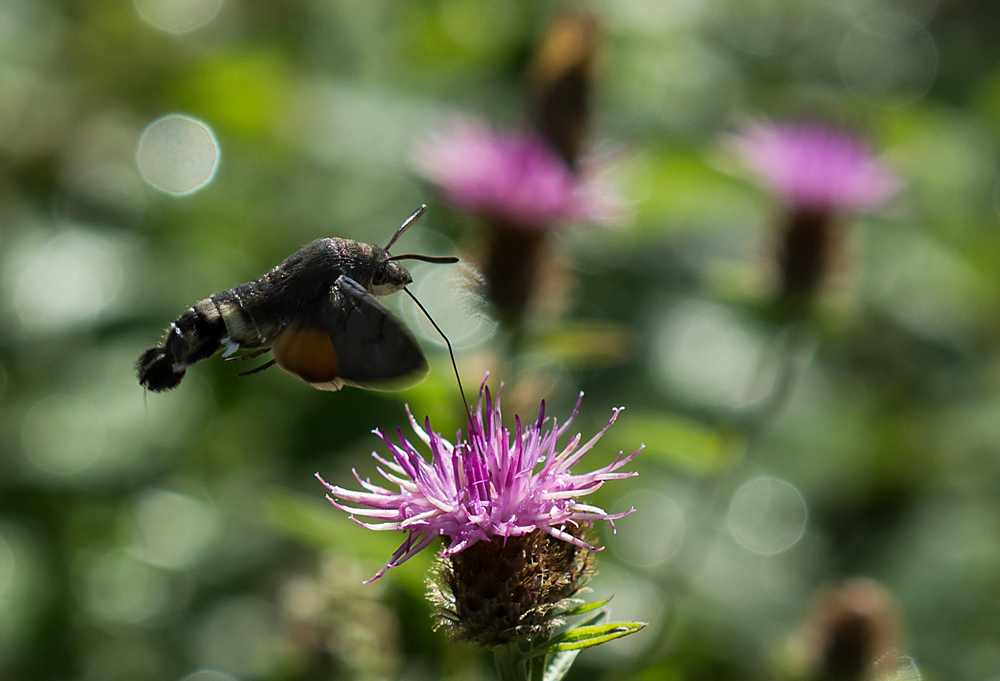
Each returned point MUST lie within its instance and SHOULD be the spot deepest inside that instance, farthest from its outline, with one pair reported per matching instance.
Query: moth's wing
(350, 339)
(376, 351)
(305, 350)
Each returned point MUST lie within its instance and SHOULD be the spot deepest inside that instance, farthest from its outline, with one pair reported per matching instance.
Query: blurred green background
(150, 537)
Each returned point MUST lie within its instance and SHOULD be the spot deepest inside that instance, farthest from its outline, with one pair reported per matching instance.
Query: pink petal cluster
(814, 167)
(496, 483)
(516, 178)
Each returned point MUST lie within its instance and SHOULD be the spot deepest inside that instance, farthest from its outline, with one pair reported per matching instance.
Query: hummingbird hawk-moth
(316, 312)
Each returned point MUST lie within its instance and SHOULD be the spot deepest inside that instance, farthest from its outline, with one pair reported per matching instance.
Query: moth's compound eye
(380, 278)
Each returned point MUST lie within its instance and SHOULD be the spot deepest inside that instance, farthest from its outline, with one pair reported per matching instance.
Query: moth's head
(389, 277)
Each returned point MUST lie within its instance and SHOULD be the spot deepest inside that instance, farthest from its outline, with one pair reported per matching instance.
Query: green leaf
(700, 197)
(244, 91)
(546, 646)
(592, 635)
(557, 665)
(678, 442)
(549, 664)
(585, 343)
(585, 607)
(315, 522)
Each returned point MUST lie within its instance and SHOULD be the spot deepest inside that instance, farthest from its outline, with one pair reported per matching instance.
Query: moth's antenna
(451, 352)
(406, 224)
(436, 259)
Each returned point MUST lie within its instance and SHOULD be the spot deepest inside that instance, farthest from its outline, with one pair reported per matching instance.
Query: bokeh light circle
(449, 297)
(239, 636)
(173, 529)
(177, 16)
(209, 675)
(707, 353)
(767, 516)
(178, 154)
(763, 27)
(63, 435)
(118, 588)
(888, 55)
(652, 536)
(896, 666)
(70, 279)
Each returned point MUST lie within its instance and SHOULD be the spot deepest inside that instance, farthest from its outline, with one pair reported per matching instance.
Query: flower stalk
(510, 662)
(805, 251)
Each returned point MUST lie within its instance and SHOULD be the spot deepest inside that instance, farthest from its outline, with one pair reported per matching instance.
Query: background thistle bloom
(514, 178)
(818, 172)
(815, 167)
(521, 187)
(484, 487)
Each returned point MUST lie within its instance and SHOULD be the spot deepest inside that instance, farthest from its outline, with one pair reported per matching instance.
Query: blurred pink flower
(483, 487)
(516, 178)
(813, 167)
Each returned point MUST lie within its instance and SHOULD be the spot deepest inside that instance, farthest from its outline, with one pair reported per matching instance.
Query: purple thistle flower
(484, 487)
(815, 168)
(513, 178)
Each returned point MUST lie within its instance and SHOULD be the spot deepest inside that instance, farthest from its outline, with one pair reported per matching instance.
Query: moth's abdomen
(196, 335)
(253, 313)
(155, 367)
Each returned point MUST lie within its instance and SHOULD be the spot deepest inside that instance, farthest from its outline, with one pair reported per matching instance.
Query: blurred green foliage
(148, 537)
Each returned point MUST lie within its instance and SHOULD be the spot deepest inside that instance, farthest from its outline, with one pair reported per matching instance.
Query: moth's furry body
(317, 305)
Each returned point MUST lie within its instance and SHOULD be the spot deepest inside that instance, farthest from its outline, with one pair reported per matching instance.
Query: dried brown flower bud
(852, 628)
(560, 77)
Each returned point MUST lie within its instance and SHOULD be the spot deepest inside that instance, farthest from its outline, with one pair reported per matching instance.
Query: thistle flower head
(814, 167)
(515, 179)
(496, 483)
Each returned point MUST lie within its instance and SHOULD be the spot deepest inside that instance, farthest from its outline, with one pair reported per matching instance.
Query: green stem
(537, 667)
(794, 345)
(510, 663)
